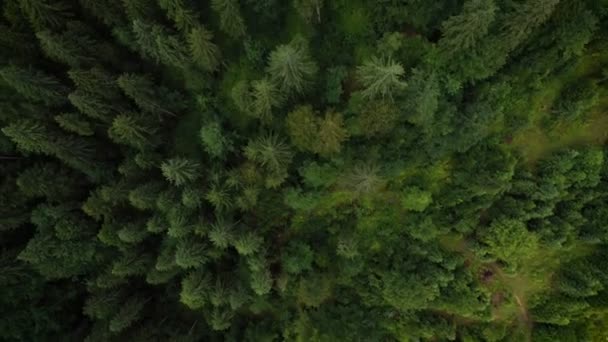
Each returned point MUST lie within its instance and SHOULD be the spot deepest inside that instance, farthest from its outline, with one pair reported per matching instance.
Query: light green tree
(381, 78)
(291, 67)
(205, 53)
(180, 171)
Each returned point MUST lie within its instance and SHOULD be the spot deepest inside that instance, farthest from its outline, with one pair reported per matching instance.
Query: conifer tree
(149, 97)
(269, 151)
(381, 77)
(221, 234)
(133, 233)
(35, 85)
(75, 123)
(214, 140)
(73, 47)
(49, 180)
(139, 9)
(104, 304)
(378, 118)
(129, 313)
(463, 31)
(156, 43)
(45, 13)
(247, 243)
(205, 53)
(331, 134)
(94, 106)
(231, 20)
(184, 17)
(291, 67)
(195, 289)
(30, 136)
(266, 97)
(219, 197)
(96, 81)
(302, 125)
(261, 282)
(144, 196)
(180, 171)
(132, 130)
(190, 253)
(242, 96)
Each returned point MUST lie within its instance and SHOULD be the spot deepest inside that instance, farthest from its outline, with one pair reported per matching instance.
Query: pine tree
(181, 221)
(221, 319)
(380, 78)
(183, 17)
(364, 178)
(231, 20)
(242, 96)
(158, 44)
(46, 13)
(248, 243)
(331, 134)
(30, 136)
(180, 171)
(144, 196)
(219, 197)
(49, 180)
(378, 118)
(522, 21)
(463, 31)
(166, 255)
(221, 234)
(291, 67)
(214, 140)
(205, 53)
(140, 9)
(148, 96)
(94, 106)
(131, 263)
(269, 151)
(96, 81)
(302, 125)
(157, 224)
(73, 47)
(128, 314)
(133, 233)
(195, 289)
(35, 85)
(192, 197)
(190, 253)
(75, 123)
(261, 282)
(133, 130)
(266, 97)
(56, 259)
(104, 304)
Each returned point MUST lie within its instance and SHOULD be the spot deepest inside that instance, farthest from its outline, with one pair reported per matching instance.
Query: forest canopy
(303, 170)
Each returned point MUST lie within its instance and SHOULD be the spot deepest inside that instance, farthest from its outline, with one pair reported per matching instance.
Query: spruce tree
(231, 20)
(180, 171)
(35, 85)
(291, 67)
(205, 53)
(381, 78)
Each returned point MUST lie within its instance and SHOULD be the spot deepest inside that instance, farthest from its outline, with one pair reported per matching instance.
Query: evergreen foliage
(303, 170)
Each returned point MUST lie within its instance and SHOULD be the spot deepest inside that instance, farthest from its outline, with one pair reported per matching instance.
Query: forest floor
(536, 141)
(510, 293)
